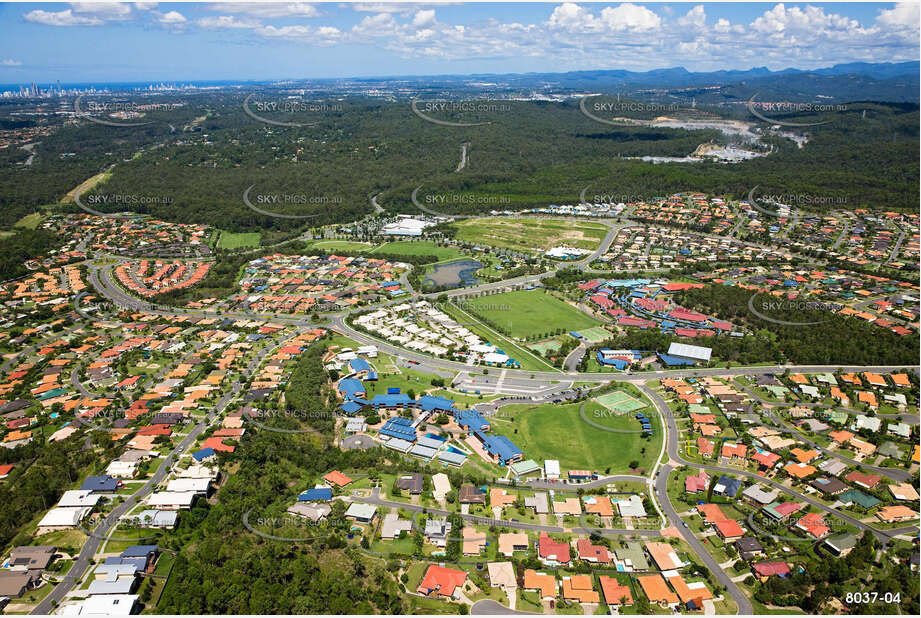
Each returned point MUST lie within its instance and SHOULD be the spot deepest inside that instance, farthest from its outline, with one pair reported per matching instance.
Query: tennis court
(595, 334)
(619, 401)
(542, 347)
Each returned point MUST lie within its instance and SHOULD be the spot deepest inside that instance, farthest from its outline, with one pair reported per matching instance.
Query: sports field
(231, 240)
(529, 313)
(341, 245)
(594, 335)
(619, 401)
(548, 345)
(406, 247)
(531, 234)
(558, 432)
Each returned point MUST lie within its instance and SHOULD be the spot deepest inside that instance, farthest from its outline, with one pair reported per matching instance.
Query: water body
(454, 274)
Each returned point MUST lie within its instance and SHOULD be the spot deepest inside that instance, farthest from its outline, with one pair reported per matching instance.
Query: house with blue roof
(317, 494)
(100, 484)
(205, 454)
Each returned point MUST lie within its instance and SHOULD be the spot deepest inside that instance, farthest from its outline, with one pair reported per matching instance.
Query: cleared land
(529, 313)
(558, 432)
(232, 240)
(531, 234)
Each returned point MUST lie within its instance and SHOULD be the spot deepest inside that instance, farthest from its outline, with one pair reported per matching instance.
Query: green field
(558, 432)
(407, 247)
(341, 245)
(231, 240)
(531, 234)
(596, 334)
(529, 313)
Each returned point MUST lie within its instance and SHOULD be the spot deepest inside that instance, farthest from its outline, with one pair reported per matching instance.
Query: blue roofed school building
(619, 359)
(399, 427)
(500, 448)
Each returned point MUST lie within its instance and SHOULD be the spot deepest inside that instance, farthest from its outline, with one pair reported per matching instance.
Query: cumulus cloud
(269, 10)
(61, 18)
(173, 17)
(9, 62)
(221, 22)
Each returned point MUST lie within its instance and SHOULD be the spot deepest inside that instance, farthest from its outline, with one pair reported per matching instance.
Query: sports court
(595, 334)
(619, 401)
(542, 347)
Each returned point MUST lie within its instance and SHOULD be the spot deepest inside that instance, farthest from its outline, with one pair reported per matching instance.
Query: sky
(100, 42)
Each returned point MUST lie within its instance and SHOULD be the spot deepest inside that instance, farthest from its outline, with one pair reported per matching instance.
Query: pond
(453, 274)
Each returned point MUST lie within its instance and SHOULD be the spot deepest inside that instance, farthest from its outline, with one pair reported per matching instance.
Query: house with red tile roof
(734, 451)
(705, 447)
(337, 478)
(867, 481)
(767, 569)
(696, 483)
(552, 552)
(592, 553)
(729, 530)
(614, 593)
(441, 581)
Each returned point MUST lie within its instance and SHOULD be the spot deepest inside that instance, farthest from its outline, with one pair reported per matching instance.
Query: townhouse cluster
(306, 283)
(148, 279)
(422, 327)
(131, 236)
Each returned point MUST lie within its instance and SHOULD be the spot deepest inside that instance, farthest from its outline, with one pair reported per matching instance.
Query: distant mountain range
(895, 82)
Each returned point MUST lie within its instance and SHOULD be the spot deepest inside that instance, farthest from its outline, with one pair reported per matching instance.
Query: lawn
(231, 240)
(340, 245)
(529, 313)
(407, 247)
(557, 432)
(531, 234)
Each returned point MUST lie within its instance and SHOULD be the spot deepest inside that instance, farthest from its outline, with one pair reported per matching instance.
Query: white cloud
(424, 18)
(172, 18)
(109, 11)
(61, 18)
(221, 22)
(696, 18)
(9, 62)
(268, 10)
(630, 17)
(905, 14)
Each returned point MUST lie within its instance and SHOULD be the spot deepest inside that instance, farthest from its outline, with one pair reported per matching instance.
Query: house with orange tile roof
(897, 513)
(841, 437)
(664, 555)
(473, 542)
(337, 478)
(735, 451)
(729, 530)
(900, 379)
(874, 379)
(545, 584)
(799, 470)
(579, 588)
(711, 513)
(499, 497)
(868, 398)
(614, 593)
(696, 592)
(804, 456)
(599, 505)
(552, 552)
(813, 524)
(569, 506)
(656, 590)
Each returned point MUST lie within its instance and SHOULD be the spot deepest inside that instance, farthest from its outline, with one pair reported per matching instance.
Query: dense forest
(835, 339)
(533, 153)
(24, 245)
(224, 568)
